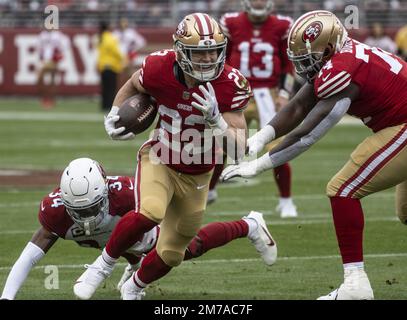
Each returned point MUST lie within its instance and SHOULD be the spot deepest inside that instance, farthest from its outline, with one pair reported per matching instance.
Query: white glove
(110, 127)
(247, 169)
(127, 273)
(258, 141)
(208, 105)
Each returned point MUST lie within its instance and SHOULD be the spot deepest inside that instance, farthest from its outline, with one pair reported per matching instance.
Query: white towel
(265, 105)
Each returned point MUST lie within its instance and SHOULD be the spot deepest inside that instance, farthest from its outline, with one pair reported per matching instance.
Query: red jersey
(180, 136)
(260, 53)
(54, 217)
(382, 80)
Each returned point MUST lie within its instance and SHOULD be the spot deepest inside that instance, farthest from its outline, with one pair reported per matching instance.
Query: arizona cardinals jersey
(260, 53)
(54, 217)
(184, 144)
(382, 80)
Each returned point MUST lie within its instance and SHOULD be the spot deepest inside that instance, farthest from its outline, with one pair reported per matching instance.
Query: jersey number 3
(267, 59)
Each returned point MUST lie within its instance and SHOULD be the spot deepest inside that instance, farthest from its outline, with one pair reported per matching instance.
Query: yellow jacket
(401, 40)
(110, 56)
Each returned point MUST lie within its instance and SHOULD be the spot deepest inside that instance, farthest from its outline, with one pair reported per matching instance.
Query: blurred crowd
(166, 12)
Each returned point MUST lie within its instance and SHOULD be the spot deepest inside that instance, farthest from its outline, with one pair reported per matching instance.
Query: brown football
(137, 113)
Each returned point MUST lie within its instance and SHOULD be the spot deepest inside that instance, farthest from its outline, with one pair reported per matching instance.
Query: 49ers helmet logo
(182, 29)
(312, 31)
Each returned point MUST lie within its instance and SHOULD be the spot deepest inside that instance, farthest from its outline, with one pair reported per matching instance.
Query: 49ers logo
(182, 30)
(312, 31)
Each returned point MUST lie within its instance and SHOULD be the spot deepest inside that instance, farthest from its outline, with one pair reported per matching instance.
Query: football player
(258, 48)
(198, 97)
(87, 206)
(344, 76)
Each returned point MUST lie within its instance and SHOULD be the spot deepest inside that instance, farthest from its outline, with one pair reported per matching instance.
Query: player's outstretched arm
(33, 252)
(287, 119)
(320, 119)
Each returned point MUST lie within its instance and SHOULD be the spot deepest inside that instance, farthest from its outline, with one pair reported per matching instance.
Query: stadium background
(36, 144)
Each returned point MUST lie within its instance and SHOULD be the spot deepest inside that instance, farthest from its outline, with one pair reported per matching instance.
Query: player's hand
(207, 104)
(246, 169)
(127, 273)
(113, 132)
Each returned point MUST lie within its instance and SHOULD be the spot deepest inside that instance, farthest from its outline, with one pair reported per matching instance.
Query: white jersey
(51, 45)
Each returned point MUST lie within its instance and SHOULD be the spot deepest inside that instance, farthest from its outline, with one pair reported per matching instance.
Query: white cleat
(129, 291)
(287, 209)
(212, 196)
(92, 278)
(356, 286)
(262, 239)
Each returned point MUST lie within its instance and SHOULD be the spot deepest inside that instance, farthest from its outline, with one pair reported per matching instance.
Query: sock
(215, 235)
(152, 268)
(130, 229)
(354, 266)
(282, 175)
(349, 223)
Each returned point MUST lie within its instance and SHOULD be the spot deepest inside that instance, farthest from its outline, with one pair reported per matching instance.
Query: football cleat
(356, 286)
(130, 291)
(92, 278)
(212, 196)
(287, 209)
(262, 239)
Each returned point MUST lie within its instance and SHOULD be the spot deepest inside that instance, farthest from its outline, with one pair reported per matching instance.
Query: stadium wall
(19, 59)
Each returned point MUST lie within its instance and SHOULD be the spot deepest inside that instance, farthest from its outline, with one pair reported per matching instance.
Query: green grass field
(308, 265)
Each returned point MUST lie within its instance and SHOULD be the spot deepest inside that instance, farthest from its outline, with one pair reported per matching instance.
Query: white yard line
(215, 261)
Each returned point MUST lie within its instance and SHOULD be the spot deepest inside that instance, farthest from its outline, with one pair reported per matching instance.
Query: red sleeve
(121, 195)
(334, 77)
(234, 92)
(52, 215)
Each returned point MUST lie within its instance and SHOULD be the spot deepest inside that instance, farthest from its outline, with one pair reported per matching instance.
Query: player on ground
(87, 206)
(258, 48)
(345, 76)
(199, 98)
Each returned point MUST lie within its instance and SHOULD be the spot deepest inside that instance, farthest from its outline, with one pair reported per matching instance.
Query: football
(137, 113)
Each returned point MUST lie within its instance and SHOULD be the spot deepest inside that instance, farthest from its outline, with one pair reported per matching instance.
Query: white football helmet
(84, 192)
(257, 11)
(200, 32)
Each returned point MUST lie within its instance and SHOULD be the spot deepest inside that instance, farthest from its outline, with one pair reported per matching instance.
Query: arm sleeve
(27, 260)
(289, 153)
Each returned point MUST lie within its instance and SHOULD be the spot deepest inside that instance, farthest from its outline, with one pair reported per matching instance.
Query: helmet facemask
(90, 216)
(308, 65)
(201, 71)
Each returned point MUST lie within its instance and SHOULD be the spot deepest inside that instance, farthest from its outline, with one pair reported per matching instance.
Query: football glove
(208, 105)
(113, 132)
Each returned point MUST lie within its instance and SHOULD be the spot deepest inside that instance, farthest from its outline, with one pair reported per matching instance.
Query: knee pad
(171, 258)
(332, 188)
(153, 208)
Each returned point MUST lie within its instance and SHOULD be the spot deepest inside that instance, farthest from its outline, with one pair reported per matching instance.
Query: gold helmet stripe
(204, 26)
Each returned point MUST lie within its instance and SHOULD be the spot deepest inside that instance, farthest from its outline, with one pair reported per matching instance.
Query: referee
(110, 64)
